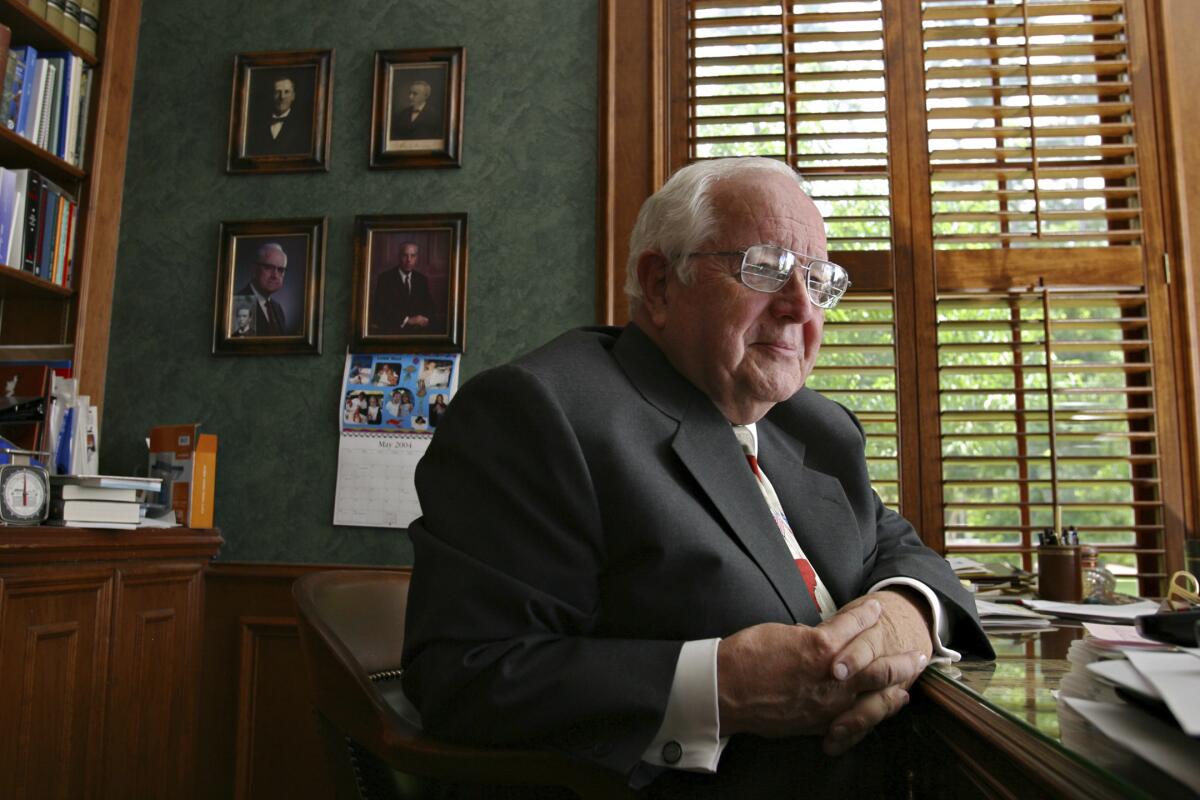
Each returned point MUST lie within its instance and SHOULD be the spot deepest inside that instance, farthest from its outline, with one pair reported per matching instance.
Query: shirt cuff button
(672, 752)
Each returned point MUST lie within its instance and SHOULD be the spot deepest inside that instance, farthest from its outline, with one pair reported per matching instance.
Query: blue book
(23, 98)
(62, 448)
(47, 227)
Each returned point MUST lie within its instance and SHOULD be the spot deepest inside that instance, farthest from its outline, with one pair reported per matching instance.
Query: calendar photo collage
(397, 393)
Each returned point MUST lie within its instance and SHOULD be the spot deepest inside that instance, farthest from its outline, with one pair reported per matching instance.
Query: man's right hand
(776, 680)
(417, 321)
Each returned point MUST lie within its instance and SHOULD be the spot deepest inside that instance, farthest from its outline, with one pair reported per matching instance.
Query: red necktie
(817, 590)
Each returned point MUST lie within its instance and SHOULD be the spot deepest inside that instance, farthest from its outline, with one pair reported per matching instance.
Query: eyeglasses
(272, 268)
(767, 268)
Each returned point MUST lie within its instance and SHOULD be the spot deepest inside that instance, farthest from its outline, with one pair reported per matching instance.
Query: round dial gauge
(24, 494)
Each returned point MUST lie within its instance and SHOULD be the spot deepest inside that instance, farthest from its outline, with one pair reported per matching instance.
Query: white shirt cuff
(941, 625)
(689, 737)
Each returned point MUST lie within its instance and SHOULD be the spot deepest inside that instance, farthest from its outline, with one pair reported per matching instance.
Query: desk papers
(1176, 677)
(1090, 611)
(1155, 741)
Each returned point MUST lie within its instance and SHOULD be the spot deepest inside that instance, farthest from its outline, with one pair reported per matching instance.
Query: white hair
(270, 247)
(679, 217)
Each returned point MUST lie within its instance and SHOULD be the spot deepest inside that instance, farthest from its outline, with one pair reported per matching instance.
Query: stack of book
(45, 99)
(99, 501)
(37, 226)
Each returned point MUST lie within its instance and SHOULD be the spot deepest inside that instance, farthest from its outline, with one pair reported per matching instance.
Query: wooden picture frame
(425, 311)
(417, 114)
(281, 112)
(270, 287)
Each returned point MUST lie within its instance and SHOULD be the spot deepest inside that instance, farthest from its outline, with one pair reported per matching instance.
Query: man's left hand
(903, 627)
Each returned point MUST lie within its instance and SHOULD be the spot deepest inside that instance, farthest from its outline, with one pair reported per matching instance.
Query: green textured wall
(527, 183)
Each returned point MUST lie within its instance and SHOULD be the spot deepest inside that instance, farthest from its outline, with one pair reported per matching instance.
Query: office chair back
(352, 634)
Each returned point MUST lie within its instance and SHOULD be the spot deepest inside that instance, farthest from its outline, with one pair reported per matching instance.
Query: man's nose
(792, 301)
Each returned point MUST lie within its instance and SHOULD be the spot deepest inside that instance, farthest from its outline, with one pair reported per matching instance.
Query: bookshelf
(38, 319)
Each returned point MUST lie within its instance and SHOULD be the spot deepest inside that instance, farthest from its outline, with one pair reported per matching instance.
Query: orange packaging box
(186, 460)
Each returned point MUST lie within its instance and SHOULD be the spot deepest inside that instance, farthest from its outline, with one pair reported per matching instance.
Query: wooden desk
(993, 729)
(99, 660)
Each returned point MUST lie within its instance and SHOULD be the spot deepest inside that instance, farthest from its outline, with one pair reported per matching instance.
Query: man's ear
(653, 270)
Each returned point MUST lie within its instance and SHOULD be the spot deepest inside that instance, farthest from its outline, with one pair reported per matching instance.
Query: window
(982, 167)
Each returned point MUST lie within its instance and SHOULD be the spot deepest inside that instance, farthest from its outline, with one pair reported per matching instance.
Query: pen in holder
(1059, 574)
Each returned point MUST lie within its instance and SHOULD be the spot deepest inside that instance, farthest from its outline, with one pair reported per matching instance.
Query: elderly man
(642, 545)
(270, 267)
(400, 300)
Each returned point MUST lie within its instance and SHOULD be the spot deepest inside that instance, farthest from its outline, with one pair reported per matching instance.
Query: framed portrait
(410, 283)
(281, 112)
(270, 287)
(416, 119)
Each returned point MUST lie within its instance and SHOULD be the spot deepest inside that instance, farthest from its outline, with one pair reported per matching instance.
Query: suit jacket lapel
(816, 507)
(706, 445)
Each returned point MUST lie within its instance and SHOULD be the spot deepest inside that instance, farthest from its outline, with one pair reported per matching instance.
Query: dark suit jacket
(391, 303)
(276, 326)
(587, 510)
(295, 137)
(427, 125)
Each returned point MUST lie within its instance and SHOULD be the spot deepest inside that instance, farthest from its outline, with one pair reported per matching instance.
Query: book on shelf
(19, 111)
(38, 7)
(55, 12)
(84, 512)
(5, 41)
(120, 526)
(14, 77)
(8, 202)
(89, 25)
(71, 19)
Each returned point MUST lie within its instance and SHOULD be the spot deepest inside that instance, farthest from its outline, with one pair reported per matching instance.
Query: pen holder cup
(1059, 574)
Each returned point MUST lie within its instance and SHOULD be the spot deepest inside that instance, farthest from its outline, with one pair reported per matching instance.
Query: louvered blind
(1030, 125)
(857, 368)
(803, 82)
(1047, 415)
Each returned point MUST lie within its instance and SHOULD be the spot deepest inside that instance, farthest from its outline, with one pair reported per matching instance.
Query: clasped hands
(839, 679)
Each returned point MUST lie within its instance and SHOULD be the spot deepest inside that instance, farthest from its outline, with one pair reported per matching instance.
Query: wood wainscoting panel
(258, 736)
(271, 676)
(53, 652)
(156, 626)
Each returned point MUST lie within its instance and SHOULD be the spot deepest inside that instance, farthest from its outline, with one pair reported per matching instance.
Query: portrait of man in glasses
(263, 267)
(654, 548)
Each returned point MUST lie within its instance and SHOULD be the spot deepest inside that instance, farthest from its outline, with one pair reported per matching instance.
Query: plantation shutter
(805, 84)
(1031, 256)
